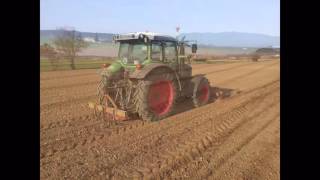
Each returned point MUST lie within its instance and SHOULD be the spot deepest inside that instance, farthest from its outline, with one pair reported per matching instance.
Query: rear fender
(145, 71)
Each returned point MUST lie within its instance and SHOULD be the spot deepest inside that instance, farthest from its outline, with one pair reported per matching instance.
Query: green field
(96, 63)
(80, 63)
(110, 49)
(99, 53)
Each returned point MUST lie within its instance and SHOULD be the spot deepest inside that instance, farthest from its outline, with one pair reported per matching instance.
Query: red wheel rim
(203, 93)
(160, 97)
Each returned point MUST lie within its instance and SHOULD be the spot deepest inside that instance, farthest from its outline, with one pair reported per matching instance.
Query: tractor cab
(143, 48)
(146, 48)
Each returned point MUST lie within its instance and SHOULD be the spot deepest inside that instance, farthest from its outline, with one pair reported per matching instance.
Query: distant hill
(223, 39)
(234, 39)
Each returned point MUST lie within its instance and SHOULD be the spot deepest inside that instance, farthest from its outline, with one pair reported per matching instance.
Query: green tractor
(150, 74)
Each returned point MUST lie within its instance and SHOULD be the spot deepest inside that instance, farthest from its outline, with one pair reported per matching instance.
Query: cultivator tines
(96, 108)
(106, 112)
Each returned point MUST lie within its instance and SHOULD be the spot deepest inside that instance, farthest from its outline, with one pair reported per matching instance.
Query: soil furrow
(235, 136)
(259, 123)
(173, 124)
(131, 155)
(190, 152)
(194, 115)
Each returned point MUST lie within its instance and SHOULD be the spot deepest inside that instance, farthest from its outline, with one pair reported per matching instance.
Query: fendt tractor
(150, 74)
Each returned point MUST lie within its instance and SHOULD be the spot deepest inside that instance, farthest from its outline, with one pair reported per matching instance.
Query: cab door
(171, 55)
(157, 52)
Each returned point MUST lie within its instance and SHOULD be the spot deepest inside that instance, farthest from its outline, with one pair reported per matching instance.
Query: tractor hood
(110, 72)
(111, 69)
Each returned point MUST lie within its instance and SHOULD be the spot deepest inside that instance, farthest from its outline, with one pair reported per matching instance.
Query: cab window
(156, 53)
(170, 52)
(139, 52)
(130, 52)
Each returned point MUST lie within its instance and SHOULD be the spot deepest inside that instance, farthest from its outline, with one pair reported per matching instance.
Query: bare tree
(48, 51)
(69, 44)
(96, 38)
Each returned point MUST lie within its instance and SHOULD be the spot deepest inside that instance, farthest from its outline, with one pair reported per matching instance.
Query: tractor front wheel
(201, 91)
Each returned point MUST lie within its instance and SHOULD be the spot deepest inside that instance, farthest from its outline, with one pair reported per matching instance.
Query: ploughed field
(235, 136)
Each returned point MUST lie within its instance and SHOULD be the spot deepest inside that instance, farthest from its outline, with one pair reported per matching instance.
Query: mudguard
(141, 74)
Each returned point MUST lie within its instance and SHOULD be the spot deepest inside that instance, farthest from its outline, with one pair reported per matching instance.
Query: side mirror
(194, 48)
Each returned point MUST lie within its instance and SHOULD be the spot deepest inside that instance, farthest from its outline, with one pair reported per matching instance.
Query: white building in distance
(89, 39)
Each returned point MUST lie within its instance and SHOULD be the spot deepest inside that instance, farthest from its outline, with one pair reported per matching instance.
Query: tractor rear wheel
(201, 91)
(155, 96)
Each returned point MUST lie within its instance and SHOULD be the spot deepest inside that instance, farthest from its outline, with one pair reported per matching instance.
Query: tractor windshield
(130, 52)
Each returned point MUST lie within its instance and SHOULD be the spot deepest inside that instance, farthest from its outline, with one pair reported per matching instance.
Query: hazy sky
(120, 16)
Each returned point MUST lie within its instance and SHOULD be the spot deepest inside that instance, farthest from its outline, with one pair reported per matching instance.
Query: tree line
(66, 45)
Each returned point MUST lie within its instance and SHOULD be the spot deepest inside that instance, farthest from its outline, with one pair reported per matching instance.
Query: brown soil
(236, 136)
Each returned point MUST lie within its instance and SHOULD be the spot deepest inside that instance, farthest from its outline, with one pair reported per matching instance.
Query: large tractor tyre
(156, 95)
(201, 91)
(255, 59)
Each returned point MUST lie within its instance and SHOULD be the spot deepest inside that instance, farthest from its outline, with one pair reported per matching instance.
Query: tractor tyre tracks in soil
(86, 125)
(57, 87)
(153, 137)
(78, 124)
(84, 99)
(93, 81)
(194, 145)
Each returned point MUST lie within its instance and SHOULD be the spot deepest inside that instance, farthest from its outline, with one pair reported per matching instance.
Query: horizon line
(173, 33)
